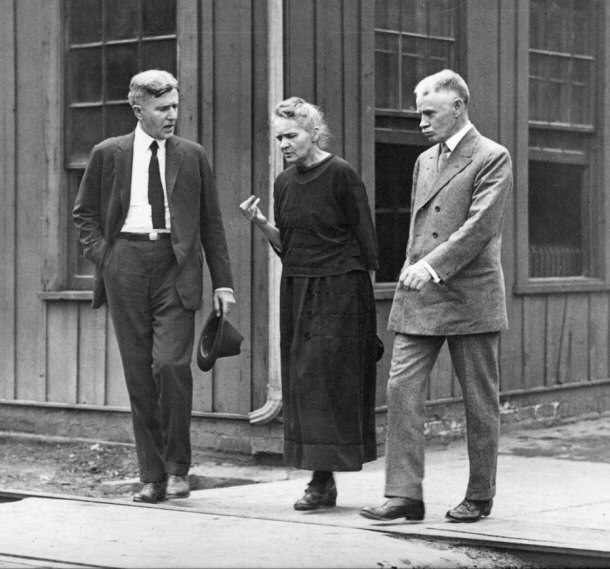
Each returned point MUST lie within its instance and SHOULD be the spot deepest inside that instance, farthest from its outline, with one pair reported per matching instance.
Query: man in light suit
(451, 288)
(146, 207)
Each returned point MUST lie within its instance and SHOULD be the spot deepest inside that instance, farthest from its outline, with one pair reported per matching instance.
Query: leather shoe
(178, 486)
(318, 496)
(411, 510)
(470, 510)
(151, 492)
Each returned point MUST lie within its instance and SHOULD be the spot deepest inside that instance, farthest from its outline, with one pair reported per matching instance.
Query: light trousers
(475, 360)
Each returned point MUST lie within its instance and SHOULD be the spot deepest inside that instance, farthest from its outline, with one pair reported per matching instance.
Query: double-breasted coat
(456, 223)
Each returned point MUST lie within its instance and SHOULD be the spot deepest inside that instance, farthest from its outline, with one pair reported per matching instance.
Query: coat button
(435, 235)
(437, 208)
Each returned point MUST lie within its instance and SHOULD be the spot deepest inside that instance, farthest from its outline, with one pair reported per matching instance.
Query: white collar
(454, 139)
(142, 140)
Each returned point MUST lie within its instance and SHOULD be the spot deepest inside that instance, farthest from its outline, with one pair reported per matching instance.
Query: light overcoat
(196, 224)
(456, 223)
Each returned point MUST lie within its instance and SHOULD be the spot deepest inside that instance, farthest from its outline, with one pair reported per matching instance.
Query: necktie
(443, 155)
(155, 189)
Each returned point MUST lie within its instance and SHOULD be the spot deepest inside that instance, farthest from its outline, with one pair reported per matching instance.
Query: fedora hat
(218, 339)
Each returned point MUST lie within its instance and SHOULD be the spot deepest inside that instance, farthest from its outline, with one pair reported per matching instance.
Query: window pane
(98, 78)
(441, 16)
(85, 21)
(159, 55)
(121, 66)
(86, 75)
(83, 267)
(158, 17)
(394, 165)
(119, 120)
(441, 55)
(416, 39)
(121, 19)
(386, 65)
(414, 17)
(562, 53)
(85, 130)
(555, 219)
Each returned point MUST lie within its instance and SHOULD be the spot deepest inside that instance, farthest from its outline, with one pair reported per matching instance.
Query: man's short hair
(445, 80)
(151, 83)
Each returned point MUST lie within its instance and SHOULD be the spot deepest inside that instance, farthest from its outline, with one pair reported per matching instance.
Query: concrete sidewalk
(547, 502)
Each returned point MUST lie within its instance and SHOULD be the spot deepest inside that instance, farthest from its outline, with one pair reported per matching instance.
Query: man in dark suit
(145, 207)
(451, 289)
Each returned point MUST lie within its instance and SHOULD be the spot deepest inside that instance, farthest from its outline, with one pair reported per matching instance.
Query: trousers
(475, 360)
(155, 334)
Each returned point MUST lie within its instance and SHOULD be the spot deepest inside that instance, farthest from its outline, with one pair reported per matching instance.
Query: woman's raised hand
(249, 208)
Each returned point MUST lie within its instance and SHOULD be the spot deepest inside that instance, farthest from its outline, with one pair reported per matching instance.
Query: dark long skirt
(328, 328)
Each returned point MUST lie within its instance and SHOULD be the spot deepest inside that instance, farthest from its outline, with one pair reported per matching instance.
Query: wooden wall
(554, 339)
(55, 351)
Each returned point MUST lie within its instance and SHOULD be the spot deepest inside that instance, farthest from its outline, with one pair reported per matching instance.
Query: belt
(152, 236)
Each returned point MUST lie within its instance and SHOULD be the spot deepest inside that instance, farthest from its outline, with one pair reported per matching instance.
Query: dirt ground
(69, 467)
(84, 468)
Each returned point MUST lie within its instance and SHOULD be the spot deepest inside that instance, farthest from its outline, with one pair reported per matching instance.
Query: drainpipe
(275, 44)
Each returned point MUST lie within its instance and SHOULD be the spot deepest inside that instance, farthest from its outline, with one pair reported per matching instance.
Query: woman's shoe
(318, 496)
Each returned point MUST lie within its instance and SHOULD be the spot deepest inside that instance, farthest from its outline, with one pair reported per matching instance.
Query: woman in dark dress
(325, 237)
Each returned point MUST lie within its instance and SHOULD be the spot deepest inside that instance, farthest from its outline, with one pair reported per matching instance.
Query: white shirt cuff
(224, 289)
(432, 272)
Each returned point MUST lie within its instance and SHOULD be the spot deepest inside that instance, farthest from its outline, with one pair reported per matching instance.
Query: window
(562, 132)
(108, 41)
(412, 39)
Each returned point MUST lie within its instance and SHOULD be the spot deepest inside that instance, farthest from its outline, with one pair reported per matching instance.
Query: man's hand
(223, 302)
(415, 276)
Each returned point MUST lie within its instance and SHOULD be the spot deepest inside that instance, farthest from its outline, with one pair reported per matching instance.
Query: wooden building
(537, 70)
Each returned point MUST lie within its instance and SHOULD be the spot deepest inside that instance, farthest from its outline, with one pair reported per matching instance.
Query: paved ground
(552, 510)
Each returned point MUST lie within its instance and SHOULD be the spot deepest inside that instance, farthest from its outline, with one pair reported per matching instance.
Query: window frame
(72, 169)
(401, 126)
(595, 234)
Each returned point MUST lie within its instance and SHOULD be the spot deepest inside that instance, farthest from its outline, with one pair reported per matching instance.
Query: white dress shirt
(139, 216)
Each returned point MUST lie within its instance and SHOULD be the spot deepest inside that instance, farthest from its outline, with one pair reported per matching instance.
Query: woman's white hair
(309, 116)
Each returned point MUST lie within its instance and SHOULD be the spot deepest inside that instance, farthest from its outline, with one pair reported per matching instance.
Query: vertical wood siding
(63, 352)
(7, 200)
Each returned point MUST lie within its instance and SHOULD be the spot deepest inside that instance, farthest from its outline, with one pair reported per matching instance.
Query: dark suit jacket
(456, 223)
(103, 201)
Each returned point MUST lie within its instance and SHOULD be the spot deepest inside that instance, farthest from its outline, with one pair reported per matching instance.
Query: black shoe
(151, 492)
(470, 510)
(318, 496)
(411, 510)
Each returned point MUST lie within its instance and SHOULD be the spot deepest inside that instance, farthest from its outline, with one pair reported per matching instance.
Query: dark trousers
(155, 336)
(475, 359)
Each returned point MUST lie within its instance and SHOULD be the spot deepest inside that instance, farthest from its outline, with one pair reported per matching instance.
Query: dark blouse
(324, 219)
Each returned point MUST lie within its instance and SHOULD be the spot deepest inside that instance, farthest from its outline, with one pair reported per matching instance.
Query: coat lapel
(174, 156)
(459, 159)
(124, 162)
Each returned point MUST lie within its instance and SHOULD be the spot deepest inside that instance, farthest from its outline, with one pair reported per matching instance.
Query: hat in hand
(219, 339)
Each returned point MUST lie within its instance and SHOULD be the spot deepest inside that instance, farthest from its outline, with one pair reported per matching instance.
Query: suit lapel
(174, 156)
(124, 163)
(459, 159)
